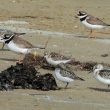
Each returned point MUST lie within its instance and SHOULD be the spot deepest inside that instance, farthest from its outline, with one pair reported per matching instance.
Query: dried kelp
(37, 61)
(86, 66)
(33, 60)
(26, 77)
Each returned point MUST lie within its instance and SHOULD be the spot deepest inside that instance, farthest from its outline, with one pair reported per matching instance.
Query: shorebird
(65, 74)
(102, 74)
(91, 22)
(55, 59)
(17, 44)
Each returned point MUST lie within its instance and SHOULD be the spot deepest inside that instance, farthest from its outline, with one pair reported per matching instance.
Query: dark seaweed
(26, 77)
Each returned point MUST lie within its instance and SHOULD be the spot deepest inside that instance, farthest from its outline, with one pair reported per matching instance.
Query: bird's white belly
(13, 47)
(103, 80)
(52, 62)
(93, 26)
(61, 78)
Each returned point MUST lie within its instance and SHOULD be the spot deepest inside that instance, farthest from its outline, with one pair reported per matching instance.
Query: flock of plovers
(20, 46)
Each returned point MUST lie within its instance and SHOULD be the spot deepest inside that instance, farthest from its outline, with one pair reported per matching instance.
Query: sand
(41, 19)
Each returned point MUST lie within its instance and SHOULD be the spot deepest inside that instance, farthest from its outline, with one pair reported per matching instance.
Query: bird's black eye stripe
(9, 38)
(6, 36)
(81, 14)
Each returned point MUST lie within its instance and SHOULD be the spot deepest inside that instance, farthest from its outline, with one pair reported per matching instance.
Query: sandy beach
(41, 19)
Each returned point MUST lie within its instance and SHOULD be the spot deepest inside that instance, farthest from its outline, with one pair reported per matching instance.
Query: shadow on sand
(8, 59)
(79, 36)
(100, 89)
(87, 37)
(4, 49)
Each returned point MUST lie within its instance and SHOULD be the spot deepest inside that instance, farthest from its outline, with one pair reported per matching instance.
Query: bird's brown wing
(22, 43)
(95, 21)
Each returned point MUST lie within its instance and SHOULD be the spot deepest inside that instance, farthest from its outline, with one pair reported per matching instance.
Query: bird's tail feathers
(20, 34)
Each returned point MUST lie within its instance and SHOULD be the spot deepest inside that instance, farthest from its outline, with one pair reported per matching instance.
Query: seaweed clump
(26, 77)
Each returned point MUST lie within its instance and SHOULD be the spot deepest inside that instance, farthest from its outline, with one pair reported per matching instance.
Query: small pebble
(75, 27)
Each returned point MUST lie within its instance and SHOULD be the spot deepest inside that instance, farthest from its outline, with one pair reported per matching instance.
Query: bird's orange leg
(92, 35)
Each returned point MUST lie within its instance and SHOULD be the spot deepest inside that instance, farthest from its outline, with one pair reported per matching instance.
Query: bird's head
(82, 14)
(98, 66)
(6, 37)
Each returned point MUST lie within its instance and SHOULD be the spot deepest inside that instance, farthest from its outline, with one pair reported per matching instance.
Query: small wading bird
(101, 74)
(91, 22)
(54, 60)
(65, 74)
(17, 44)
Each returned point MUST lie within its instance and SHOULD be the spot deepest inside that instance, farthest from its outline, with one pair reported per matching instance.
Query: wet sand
(55, 19)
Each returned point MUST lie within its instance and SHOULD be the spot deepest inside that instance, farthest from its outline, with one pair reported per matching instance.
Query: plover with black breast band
(91, 22)
(17, 44)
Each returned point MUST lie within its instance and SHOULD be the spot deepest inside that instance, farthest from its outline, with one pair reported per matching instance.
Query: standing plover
(17, 44)
(65, 74)
(54, 59)
(102, 74)
(91, 22)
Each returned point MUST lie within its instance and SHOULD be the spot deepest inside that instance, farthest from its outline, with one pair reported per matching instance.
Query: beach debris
(37, 61)
(33, 60)
(44, 82)
(86, 66)
(104, 55)
(26, 77)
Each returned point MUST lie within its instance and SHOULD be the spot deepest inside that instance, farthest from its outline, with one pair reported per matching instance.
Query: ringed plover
(91, 22)
(17, 44)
